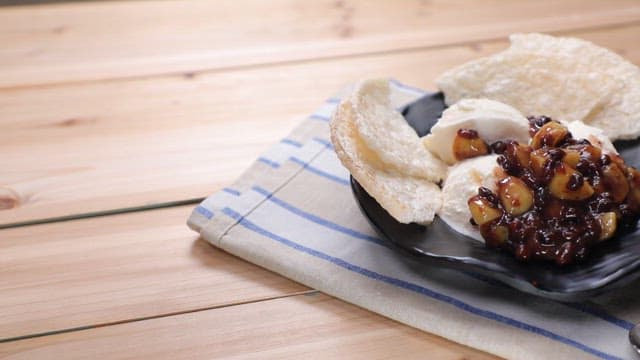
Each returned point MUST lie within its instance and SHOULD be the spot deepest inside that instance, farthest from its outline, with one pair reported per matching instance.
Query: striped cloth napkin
(293, 212)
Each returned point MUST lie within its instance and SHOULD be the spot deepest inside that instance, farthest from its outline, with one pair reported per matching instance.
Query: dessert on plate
(522, 159)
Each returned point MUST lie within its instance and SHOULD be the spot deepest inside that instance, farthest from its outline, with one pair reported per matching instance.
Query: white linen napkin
(293, 212)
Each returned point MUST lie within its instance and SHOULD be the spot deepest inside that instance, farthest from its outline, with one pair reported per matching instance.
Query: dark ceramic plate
(610, 265)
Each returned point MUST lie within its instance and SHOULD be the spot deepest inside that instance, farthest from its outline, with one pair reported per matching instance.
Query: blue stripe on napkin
(416, 288)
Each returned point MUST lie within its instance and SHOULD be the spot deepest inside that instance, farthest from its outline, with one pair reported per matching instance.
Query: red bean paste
(559, 197)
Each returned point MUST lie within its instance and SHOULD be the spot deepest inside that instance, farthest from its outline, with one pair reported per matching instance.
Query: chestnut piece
(467, 144)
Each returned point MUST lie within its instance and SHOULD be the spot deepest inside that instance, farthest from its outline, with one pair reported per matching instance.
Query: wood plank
(97, 40)
(315, 326)
(96, 146)
(115, 268)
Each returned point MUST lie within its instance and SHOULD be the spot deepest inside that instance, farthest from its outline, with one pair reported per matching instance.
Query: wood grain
(99, 40)
(96, 146)
(309, 326)
(116, 268)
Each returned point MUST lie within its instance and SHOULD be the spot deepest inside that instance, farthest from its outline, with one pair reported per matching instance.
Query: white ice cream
(492, 120)
(596, 136)
(463, 182)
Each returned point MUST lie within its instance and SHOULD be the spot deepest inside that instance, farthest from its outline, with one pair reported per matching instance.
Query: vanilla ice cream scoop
(596, 136)
(492, 120)
(462, 183)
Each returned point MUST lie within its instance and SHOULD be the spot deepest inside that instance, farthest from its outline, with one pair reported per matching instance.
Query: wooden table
(117, 117)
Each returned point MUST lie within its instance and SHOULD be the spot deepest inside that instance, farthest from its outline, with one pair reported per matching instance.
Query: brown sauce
(580, 196)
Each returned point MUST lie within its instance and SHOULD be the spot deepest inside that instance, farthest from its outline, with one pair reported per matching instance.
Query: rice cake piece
(385, 131)
(407, 199)
(565, 78)
(533, 84)
(620, 116)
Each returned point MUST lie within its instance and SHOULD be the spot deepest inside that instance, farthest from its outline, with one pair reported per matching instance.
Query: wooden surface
(106, 40)
(119, 268)
(292, 327)
(65, 146)
(139, 104)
